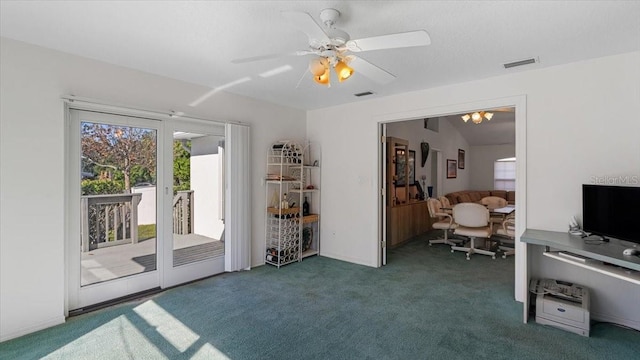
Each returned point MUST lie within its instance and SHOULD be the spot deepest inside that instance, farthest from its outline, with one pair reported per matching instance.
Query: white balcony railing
(109, 220)
(183, 212)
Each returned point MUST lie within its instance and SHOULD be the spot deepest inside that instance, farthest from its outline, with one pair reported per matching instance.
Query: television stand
(609, 253)
(597, 259)
(602, 237)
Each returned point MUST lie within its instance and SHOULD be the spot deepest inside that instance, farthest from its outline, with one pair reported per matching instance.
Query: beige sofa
(476, 195)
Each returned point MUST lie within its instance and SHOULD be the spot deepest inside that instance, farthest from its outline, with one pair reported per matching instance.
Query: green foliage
(101, 187)
(181, 166)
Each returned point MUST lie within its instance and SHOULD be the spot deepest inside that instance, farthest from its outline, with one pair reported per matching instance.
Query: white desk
(605, 258)
(616, 301)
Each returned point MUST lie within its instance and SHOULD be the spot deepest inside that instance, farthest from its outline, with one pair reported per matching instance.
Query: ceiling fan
(333, 48)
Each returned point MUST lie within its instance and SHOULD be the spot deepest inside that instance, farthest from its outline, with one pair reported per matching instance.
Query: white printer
(562, 305)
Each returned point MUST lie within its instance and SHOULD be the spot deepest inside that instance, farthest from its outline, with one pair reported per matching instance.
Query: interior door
(114, 238)
(194, 194)
(383, 195)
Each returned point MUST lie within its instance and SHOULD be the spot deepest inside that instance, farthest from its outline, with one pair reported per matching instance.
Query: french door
(145, 198)
(194, 246)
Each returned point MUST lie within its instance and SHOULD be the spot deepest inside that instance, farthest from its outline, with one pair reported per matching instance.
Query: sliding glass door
(113, 249)
(195, 246)
(146, 205)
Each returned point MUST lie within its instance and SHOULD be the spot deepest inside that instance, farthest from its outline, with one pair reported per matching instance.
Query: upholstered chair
(494, 202)
(442, 221)
(473, 222)
(446, 205)
(507, 233)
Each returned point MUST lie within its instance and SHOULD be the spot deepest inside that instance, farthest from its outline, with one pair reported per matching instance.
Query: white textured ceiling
(196, 41)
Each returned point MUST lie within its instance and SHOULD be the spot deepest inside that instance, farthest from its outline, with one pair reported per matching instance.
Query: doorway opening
(456, 152)
(444, 161)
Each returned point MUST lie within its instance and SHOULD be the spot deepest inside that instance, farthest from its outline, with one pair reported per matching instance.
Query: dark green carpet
(427, 303)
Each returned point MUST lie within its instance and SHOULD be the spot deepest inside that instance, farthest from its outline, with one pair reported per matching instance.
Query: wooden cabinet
(406, 217)
(406, 221)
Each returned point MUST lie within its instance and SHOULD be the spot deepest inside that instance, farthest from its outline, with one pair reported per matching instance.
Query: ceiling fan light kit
(477, 117)
(343, 71)
(331, 47)
(324, 78)
(318, 66)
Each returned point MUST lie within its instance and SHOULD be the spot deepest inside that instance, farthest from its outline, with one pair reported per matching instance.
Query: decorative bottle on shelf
(305, 207)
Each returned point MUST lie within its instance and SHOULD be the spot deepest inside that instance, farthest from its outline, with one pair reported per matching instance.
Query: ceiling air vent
(520, 63)
(366, 93)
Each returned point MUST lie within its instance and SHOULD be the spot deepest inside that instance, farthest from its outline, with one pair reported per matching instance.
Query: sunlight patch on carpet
(174, 331)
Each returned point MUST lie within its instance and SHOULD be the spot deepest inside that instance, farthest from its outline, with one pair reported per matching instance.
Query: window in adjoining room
(504, 174)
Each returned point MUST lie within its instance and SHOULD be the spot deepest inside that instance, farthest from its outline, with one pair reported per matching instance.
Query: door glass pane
(198, 226)
(118, 203)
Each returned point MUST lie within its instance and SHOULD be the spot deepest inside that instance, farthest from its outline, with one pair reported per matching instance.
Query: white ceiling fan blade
(362, 66)
(304, 22)
(391, 41)
(271, 56)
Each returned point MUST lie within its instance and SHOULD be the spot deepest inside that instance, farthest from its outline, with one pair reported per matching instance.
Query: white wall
(32, 163)
(205, 183)
(147, 206)
(580, 124)
(447, 139)
(480, 160)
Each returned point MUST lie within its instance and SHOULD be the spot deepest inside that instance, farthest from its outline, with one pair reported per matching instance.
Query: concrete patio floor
(128, 259)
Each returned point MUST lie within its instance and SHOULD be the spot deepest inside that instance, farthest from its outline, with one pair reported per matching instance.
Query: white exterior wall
(147, 205)
(32, 143)
(205, 183)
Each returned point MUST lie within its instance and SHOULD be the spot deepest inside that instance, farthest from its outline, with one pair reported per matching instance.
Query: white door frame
(170, 275)
(75, 296)
(519, 102)
(81, 296)
(382, 256)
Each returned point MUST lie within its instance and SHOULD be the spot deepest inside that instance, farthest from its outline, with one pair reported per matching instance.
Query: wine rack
(284, 212)
(290, 236)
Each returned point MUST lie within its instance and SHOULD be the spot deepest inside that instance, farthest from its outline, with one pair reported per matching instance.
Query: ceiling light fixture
(320, 67)
(343, 70)
(324, 78)
(477, 117)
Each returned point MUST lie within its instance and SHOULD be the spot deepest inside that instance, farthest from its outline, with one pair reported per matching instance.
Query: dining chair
(442, 221)
(494, 202)
(473, 222)
(508, 235)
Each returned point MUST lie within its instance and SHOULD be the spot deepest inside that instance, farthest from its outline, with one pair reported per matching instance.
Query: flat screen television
(611, 211)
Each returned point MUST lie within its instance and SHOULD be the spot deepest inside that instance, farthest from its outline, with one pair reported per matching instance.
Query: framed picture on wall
(452, 169)
(460, 159)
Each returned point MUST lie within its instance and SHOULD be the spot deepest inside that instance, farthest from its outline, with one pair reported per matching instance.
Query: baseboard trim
(33, 328)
